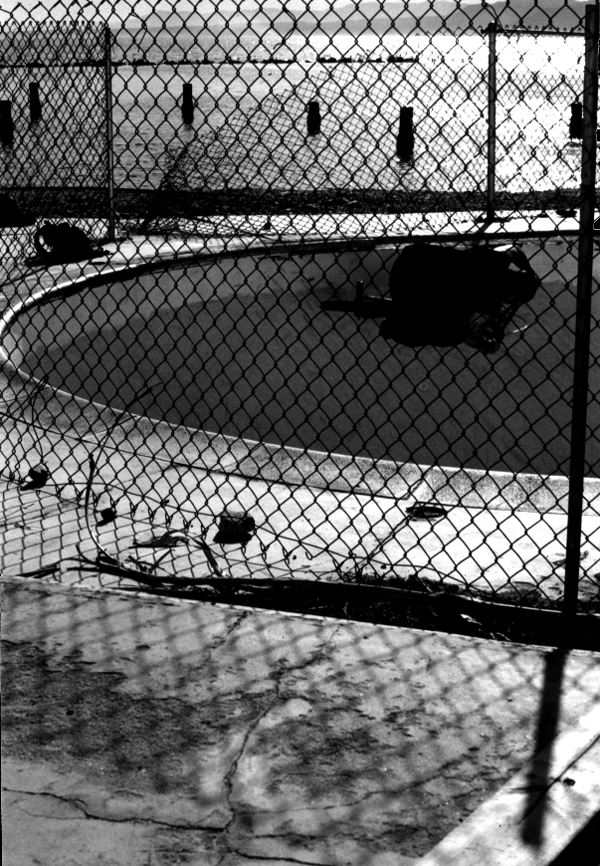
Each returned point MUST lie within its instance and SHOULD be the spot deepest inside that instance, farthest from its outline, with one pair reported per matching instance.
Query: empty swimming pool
(241, 346)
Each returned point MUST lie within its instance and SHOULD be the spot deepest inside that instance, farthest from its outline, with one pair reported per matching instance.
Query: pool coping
(84, 420)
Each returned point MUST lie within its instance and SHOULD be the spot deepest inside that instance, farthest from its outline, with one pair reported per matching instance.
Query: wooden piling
(405, 143)
(576, 121)
(35, 108)
(313, 122)
(187, 106)
(7, 126)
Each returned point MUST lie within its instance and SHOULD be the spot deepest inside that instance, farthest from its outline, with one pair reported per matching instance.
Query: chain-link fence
(411, 114)
(331, 316)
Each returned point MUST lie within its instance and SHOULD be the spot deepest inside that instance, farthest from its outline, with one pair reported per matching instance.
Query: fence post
(583, 314)
(110, 167)
(491, 134)
(35, 109)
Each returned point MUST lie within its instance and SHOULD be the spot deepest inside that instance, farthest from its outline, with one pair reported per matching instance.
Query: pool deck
(150, 731)
(499, 527)
(138, 731)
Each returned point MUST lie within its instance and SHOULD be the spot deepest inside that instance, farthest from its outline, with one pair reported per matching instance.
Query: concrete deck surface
(140, 731)
(485, 541)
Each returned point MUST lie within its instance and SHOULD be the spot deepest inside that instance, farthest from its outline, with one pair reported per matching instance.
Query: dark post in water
(6, 122)
(314, 118)
(187, 107)
(405, 143)
(35, 108)
(576, 122)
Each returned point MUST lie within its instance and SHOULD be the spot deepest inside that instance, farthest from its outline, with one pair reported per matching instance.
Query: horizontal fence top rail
(82, 64)
(204, 62)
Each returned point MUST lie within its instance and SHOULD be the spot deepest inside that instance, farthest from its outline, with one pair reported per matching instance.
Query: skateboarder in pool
(442, 296)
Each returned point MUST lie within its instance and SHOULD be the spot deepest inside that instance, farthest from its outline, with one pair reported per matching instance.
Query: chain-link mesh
(226, 386)
(53, 128)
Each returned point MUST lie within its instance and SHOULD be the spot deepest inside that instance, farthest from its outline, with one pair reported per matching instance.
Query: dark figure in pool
(442, 296)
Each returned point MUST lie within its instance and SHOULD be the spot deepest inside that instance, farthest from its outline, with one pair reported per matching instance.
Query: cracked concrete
(43, 828)
(139, 731)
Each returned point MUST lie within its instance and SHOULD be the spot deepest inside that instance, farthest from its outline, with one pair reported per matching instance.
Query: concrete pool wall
(37, 323)
(56, 317)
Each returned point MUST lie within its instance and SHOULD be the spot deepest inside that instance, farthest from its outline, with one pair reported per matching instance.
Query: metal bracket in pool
(425, 511)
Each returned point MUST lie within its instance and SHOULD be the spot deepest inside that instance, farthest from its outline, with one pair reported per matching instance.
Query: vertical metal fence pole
(110, 168)
(491, 135)
(583, 313)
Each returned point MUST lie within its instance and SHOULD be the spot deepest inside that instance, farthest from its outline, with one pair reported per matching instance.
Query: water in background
(250, 120)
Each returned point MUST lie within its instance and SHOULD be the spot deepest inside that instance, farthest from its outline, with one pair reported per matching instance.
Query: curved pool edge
(76, 418)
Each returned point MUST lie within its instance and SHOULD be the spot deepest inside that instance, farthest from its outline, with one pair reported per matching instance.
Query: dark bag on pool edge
(64, 243)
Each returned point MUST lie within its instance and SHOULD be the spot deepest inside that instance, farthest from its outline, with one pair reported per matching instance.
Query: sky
(116, 11)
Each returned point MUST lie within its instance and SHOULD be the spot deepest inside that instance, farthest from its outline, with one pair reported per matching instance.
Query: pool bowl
(239, 345)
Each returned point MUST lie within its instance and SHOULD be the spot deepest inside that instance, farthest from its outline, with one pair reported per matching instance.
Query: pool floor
(273, 367)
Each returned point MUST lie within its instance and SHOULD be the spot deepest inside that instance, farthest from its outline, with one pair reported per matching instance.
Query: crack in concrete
(229, 776)
(262, 858)
(382, 791)
(87, 815)
(73, 802)
(318, 655)
(223, 640)
(281, 674)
